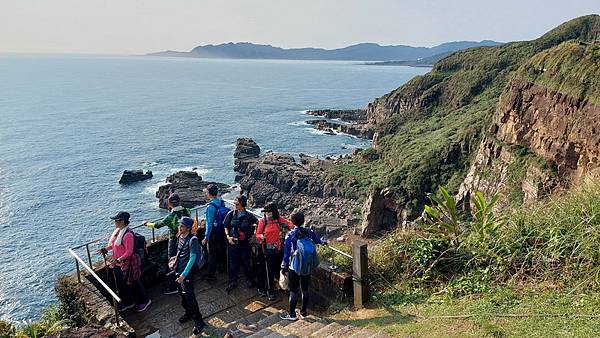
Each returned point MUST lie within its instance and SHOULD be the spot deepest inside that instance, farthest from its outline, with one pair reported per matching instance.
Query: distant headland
(358, 52)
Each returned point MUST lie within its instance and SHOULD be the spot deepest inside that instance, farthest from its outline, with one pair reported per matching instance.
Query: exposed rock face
(246, 151)
(130, 176)
(557, 128)
(296, 185)
(379, 213)
(356, 129)
(190, 188)
(348, 115)
(562, 129)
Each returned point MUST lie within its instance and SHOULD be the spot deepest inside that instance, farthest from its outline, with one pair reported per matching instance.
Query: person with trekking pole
(239, 229)
(185, 267)
(268, 239)
(299, 260)
(126, 264)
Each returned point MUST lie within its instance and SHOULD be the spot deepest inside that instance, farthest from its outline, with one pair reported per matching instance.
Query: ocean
(70, 125)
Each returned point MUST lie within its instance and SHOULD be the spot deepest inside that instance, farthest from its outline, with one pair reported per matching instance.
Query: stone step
(380, 335)
(299, 327)
(270, 320)
(262, 333)
(328, 330)
(345, 331)
(364, 333)
(314, 327)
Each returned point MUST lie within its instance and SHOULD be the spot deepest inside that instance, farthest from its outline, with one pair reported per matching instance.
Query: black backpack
(139, 244)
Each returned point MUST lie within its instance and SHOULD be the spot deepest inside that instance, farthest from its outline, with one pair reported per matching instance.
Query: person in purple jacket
(297, 279)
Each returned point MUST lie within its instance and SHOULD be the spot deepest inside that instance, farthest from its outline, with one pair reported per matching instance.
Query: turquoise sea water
(70, 125)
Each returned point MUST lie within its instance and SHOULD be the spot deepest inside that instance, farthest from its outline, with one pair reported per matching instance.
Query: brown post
(360, 273)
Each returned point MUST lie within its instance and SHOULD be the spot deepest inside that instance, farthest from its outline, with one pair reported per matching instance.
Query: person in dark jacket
(295, 280)
(188, 250)
(171, 222)
(239, 229)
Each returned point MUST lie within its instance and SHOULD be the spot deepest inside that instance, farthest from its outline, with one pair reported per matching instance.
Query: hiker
(238, 225)
(126, 265)
(188, 251)
(171, 222)
(214, 235)
(299, 260)
(269, 238)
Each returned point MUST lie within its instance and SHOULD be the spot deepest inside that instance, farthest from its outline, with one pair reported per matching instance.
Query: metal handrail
(116, 299)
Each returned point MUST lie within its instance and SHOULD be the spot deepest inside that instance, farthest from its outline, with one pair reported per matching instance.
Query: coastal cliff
(521, 114)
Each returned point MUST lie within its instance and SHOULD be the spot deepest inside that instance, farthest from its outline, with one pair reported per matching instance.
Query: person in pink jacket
(121, 243)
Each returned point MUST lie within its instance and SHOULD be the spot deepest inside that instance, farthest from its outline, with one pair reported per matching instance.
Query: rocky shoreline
(190, 188)
(354, 122)
(294, 185)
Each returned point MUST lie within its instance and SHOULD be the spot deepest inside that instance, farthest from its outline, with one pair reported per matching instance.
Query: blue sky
(141, 26)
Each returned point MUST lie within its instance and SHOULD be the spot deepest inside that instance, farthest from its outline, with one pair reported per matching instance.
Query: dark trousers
(216, 251)
(264, 263)
(188, 298)
(239, 256)
(295, 281)
(130, 293)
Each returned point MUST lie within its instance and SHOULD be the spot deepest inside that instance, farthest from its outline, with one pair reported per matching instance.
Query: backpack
(139, 244)
(304, 258)
(220, 214)
(200, 257)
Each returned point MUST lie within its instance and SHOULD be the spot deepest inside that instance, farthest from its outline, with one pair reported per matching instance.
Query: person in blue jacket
(296, 280)
(188, 249)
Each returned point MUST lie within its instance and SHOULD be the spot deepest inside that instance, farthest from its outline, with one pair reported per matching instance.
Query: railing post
(360, 273)
(87, 248)
(116, 311)
(78, 272)
(153, 237)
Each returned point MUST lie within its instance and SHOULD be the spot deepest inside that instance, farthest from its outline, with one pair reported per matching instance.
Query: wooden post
(360, 273)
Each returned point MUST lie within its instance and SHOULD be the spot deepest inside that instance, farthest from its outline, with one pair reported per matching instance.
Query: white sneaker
(286, 316)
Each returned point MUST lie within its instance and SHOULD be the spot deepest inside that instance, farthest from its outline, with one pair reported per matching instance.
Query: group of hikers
(266, 249)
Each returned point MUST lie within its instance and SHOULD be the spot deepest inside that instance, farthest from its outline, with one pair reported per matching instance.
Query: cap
(174, 199)
(121, 216)
(187, 221)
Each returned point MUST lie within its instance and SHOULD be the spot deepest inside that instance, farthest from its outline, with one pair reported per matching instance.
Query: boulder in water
(130, 176)
(190, 188)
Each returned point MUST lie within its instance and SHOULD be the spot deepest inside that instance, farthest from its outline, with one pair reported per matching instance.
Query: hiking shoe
(262, 293)
(198, 328)
(271, 296)
(209, 278)
(231, 287)
(287, 316)
(185, 318)
(171, 290)
(143, 307)
(123, 308)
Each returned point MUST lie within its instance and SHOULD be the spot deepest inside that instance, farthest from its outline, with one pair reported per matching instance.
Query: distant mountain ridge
(358, 52)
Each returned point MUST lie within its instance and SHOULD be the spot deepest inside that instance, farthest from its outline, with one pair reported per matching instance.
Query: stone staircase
(266, 323)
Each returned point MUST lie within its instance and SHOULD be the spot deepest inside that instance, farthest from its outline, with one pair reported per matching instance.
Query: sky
(144, 26)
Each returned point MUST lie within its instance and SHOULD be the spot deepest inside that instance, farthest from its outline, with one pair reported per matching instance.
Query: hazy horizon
(145, 26)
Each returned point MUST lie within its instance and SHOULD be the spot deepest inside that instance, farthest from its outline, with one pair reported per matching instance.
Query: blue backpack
(304, 258)
(220, 214)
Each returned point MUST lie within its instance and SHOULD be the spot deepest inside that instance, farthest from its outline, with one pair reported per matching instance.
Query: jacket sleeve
(288, 223)
(227, 221)
(260, 229)
(287, 249)
(128, 243)
(315, 238)
(210, 219)
(162, 223)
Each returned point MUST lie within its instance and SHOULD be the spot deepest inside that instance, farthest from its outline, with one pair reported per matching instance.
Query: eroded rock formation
(190, 188)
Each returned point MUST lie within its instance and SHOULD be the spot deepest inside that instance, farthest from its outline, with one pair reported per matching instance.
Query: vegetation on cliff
(429, 128)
